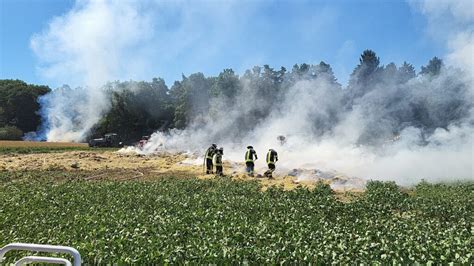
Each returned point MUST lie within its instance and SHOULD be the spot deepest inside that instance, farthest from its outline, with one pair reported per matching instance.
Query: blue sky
(188, 37)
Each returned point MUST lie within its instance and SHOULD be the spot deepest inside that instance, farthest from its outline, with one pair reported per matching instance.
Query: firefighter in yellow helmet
(272, 158)
(217, 161)
(250, 157)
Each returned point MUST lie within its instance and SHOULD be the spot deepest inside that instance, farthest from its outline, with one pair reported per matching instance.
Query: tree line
(140, 108)
(19, 108)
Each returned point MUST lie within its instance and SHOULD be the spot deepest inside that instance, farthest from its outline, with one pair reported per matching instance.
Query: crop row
(218, 221)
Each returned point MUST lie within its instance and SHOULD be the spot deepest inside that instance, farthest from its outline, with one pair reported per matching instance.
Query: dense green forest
(19, 108)
(140, 107)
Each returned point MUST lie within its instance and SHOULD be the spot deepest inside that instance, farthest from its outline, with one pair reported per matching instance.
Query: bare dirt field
(106, 164)
(117, 165)
(39, 144)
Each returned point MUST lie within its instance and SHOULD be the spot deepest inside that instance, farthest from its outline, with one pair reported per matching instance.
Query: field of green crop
(220, 221)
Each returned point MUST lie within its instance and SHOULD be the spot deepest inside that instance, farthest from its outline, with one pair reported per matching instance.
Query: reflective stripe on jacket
(249, 156)
(217, 159)
(272, 157)
(209, 153)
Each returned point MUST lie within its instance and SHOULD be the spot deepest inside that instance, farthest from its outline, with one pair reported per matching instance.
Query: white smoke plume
(445, 154)
(68, 114)
(93, 43)
(452, 23)
(106, 40)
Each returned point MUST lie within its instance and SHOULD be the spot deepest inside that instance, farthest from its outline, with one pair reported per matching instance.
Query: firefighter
(250, 157)
(272, 158)
(208, 158)
(217, 161)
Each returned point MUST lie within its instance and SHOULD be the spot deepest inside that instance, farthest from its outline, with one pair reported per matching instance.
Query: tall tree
(406, 72)
(137, 108)
(367, 68)
(19, 104)
(302, 71)
(227, 84)
(433, 68)
(179, 96)
(365, 76)
(390, 74)
(191, 98)
(325, 71)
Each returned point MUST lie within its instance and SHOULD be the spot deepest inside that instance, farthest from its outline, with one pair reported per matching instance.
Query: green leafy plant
(187, 220)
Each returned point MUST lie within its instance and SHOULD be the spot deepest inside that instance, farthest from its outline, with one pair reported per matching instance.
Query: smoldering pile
(337, 181)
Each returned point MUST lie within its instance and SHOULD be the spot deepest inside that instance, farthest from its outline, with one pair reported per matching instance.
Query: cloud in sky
(452, 23)
(102, 40)
(94, 42)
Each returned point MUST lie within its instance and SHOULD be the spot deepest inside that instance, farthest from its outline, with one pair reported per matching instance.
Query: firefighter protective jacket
(217, 159)
(250, 155)
(272, 157)
(210, 152)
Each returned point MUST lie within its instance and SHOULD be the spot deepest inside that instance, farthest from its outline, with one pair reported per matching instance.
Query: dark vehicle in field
(109, 140)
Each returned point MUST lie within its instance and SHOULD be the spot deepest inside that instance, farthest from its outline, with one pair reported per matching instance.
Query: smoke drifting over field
(366, 139)
(420, 127)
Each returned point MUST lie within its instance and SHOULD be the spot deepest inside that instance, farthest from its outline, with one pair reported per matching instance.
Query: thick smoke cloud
(68, 114)
(99, 41)
(95, 42)
(378, 136)
(452, 23)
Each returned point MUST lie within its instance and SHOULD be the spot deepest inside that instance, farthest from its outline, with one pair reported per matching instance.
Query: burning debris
(303, 174)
